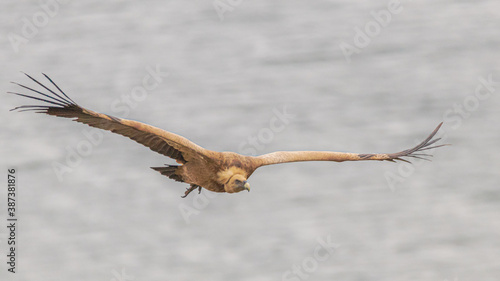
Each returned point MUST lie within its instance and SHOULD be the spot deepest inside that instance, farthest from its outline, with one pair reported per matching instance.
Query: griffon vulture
(199, 167)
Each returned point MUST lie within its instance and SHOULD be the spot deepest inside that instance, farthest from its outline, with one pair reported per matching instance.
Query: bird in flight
(198, 167)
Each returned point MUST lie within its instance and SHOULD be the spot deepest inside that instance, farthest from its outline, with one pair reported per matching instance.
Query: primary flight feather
(199, 167)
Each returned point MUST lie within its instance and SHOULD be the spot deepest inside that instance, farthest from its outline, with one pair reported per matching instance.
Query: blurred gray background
(231, 66)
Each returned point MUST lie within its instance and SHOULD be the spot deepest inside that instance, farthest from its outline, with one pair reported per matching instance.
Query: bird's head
(237, 183)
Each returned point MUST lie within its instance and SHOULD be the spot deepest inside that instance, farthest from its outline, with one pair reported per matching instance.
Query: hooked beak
(247, 186)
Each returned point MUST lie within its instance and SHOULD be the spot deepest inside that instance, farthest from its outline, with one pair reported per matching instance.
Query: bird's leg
(191, 188)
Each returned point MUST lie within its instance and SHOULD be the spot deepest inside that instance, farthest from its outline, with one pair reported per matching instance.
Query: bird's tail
(169, 171)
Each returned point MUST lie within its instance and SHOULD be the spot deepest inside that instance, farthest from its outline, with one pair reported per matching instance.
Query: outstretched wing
(296, 156)
(158, 140)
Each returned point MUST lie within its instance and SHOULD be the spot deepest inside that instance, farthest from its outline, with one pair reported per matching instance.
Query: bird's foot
(193, 187)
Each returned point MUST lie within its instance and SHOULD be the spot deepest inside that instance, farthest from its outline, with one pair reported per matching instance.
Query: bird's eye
(237, 181)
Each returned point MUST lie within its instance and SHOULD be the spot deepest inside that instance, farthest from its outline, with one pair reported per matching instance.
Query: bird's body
(199, 167)
(211, 172)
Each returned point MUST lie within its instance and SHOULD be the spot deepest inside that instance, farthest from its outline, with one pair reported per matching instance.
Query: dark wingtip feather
(53, 83)
(424, 145)
(50, 97)
(37, 98)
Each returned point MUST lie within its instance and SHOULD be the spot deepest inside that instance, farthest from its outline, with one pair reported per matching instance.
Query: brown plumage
(199, 167)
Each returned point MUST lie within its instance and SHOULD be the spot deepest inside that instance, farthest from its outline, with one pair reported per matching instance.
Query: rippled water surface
(221, 83)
